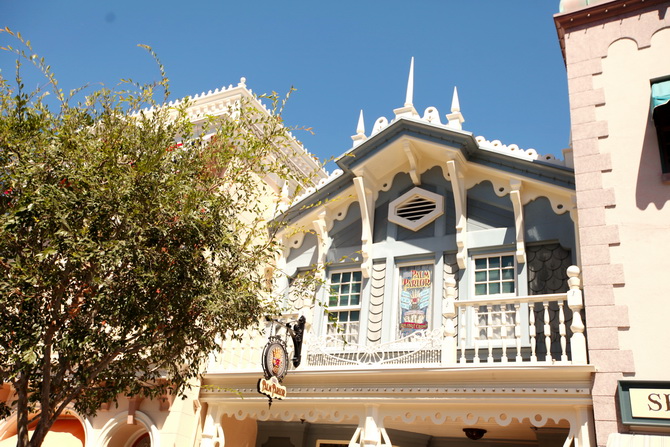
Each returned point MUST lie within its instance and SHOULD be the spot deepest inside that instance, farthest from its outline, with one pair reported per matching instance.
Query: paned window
(344, 305)
(495, 275)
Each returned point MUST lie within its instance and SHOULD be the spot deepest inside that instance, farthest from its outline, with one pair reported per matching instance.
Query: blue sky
(342, 56)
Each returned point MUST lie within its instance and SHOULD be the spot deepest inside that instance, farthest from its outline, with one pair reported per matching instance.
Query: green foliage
(129, 238)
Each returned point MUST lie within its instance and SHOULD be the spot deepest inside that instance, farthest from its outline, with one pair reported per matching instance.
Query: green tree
(129, 238)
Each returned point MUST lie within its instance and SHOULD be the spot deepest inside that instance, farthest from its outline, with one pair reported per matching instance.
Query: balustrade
(522, 330)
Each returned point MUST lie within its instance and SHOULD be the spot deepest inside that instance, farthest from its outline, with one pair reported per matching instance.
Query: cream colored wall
(239, 433)
(641, 212)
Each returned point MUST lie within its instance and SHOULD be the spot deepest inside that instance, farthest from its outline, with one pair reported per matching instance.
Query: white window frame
(348, 308)
(498, 314)
(473, 281)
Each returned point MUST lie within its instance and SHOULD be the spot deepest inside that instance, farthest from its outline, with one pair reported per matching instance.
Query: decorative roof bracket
(412, 159)
(515, 197)
(324, 241)
(366, 202)
(456, 179)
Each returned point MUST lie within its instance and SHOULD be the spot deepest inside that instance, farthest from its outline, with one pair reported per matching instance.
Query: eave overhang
(493, 381)
(462, 140)
(456, 144)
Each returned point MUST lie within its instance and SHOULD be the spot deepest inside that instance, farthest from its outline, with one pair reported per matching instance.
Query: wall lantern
(474, 433)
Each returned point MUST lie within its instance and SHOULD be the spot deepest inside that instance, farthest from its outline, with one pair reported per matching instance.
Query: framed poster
(416, 291)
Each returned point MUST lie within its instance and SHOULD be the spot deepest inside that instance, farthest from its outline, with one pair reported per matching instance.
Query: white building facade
(450, 300)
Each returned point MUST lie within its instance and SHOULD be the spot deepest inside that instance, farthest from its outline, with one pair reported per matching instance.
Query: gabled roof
(462, 141)
(413, 144)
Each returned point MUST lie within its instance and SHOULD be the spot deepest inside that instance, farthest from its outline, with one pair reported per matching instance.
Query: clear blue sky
(342, 56)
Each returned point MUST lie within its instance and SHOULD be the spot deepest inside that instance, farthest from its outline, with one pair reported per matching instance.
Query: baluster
(547, 331)
(561, 330)
(533, 333)
(503, 332)
(489, 332)
(575, 303)
(475, 309)
(517, 330)
(449, 313)
(461, 324)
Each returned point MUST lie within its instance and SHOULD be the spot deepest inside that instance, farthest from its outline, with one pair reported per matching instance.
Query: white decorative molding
(449, 314)
(421, 347)
(515, 197)
(417, 203)
(460, 207)
(432, 116)
(366, 202)
(381, 124)
(324, 241)
(514, 151)
(440, 410)
(412, 159)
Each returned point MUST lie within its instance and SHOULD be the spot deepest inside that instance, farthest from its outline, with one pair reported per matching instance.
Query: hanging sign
(415, 294)
(272, 388)
(275, 366)
(275, 360)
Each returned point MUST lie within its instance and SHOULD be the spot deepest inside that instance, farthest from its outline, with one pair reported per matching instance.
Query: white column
(210, 432)
(576, 304)
(371, 433)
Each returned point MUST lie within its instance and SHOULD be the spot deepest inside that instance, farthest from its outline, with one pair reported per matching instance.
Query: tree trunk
(22, 414)
(40, 432)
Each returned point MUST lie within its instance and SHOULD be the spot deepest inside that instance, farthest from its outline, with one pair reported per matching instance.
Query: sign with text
(644, 402)
(650, 403)
(416, 285)
(271, 388)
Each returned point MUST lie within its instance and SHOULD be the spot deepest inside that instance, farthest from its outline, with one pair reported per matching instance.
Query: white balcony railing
(538, 329)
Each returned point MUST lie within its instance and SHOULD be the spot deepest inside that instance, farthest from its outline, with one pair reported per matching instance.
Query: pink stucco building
(617, 55)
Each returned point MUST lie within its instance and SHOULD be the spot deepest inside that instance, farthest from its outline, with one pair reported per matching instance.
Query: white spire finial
(409, 98)
(455, 118)
(360, 131)
(455, 105)
(408, 109)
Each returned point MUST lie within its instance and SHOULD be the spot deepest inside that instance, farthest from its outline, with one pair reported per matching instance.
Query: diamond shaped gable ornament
(416, 208)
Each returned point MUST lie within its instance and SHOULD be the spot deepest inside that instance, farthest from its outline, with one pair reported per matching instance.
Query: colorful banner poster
(416, 284)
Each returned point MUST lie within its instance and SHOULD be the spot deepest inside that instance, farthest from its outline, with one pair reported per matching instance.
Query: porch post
(371, 433)
(449, 314)
(212, 428)
(576, 304)
(584, 434)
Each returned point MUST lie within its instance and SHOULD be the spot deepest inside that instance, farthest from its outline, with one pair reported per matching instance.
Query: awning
(660, 93)
(623, 440)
